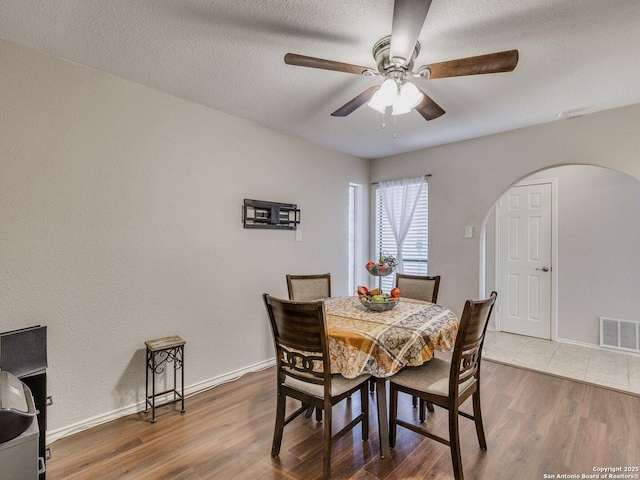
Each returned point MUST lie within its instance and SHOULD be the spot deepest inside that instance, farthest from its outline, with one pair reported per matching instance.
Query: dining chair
(420, 288)
(300, 338)
(303, 288)
(448, 383)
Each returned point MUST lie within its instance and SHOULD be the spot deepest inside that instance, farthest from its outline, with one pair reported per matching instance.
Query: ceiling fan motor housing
(386, 65)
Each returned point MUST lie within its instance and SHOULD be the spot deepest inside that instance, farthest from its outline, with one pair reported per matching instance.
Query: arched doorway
(597, 262)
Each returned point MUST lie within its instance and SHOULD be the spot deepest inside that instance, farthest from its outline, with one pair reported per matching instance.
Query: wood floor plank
(534, 424)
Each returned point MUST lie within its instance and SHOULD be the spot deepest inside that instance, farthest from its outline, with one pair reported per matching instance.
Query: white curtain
(399, 199)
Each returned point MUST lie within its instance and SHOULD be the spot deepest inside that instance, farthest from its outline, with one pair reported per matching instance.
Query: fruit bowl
(381, 270)
(383, 306)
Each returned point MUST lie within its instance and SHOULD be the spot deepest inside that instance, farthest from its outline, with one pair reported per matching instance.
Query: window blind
(416, 245)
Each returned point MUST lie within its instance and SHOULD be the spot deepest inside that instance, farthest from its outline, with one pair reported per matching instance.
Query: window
(415, 248)
(355, 200)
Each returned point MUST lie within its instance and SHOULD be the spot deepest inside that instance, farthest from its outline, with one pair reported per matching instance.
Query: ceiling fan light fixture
(402, 99)
(385, 96)
(388, 91)
(408, 98)
(410, 95)
(400, 109)
(377, 103)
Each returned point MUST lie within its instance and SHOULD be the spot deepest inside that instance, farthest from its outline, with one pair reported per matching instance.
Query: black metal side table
(160, 352)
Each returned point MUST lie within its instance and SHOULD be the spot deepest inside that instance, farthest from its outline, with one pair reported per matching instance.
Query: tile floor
(611, 369)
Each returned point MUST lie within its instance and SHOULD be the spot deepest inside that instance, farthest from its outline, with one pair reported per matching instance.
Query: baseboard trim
(598, 347)
(58, 433)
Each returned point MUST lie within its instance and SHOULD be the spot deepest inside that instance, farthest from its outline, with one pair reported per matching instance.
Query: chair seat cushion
(431, 377)
(339, 385)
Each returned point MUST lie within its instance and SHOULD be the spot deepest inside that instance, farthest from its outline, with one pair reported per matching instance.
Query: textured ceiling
(575, 56)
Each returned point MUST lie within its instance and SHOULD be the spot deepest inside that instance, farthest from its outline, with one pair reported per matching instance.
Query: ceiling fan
(395, 56)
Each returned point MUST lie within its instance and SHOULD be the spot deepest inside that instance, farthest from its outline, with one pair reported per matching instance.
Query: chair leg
(393, 413)
(454, 439)
(372, 385)
(424, 406)
(308, 412)
(326, 457)
(414, 401)
(477, 415)
(364, 408)
(318, 414)
(277, 433)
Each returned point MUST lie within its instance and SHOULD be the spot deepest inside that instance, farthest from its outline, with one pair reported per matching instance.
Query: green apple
(378, 299)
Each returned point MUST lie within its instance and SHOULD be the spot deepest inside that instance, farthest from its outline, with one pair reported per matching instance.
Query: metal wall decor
(262, 214)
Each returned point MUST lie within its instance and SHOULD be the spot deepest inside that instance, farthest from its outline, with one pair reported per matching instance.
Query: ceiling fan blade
(428, 108)
(356, 102)
(313, 62)
(490, 63)
(408, 19)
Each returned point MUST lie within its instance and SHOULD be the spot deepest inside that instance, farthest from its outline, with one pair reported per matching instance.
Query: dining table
(380, 343)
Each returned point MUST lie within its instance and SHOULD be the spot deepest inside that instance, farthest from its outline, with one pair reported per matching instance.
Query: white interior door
(525, 260)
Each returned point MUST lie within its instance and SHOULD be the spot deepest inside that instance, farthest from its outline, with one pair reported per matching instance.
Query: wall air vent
(620, 334)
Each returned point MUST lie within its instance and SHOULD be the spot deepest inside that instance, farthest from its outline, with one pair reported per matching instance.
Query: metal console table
(160, 352)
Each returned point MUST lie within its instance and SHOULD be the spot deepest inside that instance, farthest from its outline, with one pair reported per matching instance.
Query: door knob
(544, 269)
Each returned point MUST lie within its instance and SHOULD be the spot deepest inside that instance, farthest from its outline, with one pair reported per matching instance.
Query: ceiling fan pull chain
(395, 120)
(383, 122)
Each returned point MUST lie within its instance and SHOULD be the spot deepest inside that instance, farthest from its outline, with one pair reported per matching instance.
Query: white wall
(468, 177)
(120, 214)
(598, 258)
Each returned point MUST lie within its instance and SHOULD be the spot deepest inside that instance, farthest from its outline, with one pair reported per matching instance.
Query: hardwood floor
(535, 424)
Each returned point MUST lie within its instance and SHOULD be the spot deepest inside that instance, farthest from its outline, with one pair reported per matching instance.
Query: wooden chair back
(418, 287)
(467, 353)
(299, 327)
(303, 288)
